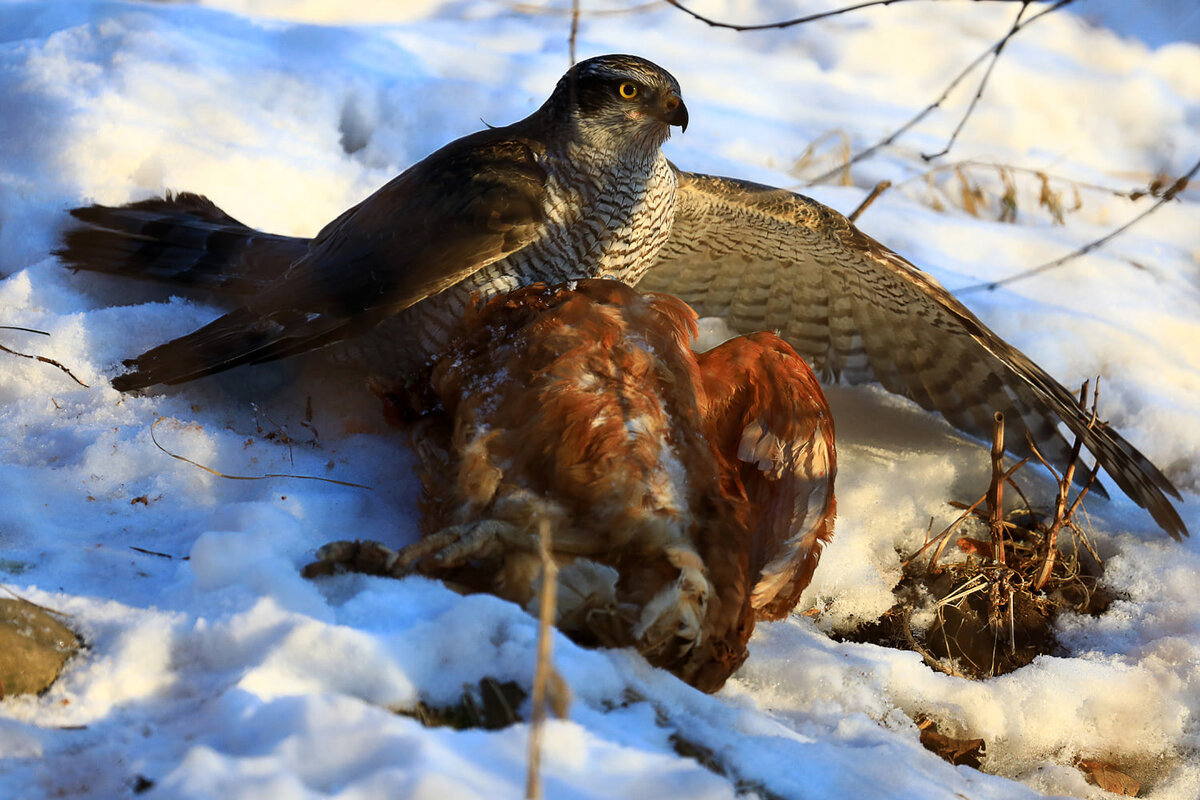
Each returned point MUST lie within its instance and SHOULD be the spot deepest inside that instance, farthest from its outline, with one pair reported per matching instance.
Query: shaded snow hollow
(228, 676)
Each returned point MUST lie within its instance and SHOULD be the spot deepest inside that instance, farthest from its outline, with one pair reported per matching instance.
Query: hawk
(580, 188)
(685, 495)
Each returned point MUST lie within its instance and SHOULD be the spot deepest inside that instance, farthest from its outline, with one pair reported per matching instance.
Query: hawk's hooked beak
(674, 112)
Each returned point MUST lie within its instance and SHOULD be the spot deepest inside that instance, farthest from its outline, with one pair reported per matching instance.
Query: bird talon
(366, 556)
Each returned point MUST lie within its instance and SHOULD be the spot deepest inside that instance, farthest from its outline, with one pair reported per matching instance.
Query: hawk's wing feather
(766, 258)
(470, 204)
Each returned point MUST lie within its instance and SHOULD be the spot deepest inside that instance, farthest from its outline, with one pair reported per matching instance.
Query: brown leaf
(1109, 778)
(975, 547)
(956, 751)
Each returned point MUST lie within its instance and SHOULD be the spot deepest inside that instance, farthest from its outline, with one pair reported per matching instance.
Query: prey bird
(578, 189)
(685, 496)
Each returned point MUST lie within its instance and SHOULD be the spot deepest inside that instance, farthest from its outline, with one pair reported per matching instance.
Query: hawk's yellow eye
(628, 90)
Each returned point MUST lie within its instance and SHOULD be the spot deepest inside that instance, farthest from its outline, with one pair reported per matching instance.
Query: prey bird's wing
(472, 203)
(766, 258)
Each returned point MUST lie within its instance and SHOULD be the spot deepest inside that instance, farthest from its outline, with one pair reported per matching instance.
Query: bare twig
(154, 553)
(548, 11)
(574, 29)
(879, 189)
(931, 661)
(1177, 187)
(23, 329)
(896, 134)
(942, 539)
(45, 360)
(1155, 189)
(788, 23)
(1064, 515)
(982, 85)
(542, 672)
(262, 477)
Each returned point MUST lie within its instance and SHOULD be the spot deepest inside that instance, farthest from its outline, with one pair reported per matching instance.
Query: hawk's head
(620, 102)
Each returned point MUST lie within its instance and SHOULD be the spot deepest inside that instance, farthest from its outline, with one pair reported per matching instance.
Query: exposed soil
(988, 617)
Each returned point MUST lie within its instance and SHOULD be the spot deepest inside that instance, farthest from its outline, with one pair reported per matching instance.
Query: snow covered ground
(214, 671)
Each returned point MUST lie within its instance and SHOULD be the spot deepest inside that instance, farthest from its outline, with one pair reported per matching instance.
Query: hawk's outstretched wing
(766, 258)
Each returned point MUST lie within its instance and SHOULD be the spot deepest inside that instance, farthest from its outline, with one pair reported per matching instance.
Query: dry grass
(993, 609)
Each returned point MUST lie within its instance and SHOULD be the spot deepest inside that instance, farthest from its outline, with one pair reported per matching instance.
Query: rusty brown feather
(686, 496)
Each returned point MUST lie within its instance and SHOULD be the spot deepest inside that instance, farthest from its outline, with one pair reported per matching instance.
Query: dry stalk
(44, 360)
(838, 153)
(932, 661)
(262, 477)
(1064, 514)
(542, 671)
(1178, 186)
(971, 195)
(995, 493)
(943, 538)
(976, 583)
(1048, 197)
(1008, 200)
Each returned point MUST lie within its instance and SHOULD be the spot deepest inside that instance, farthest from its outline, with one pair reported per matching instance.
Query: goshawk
(580, 188)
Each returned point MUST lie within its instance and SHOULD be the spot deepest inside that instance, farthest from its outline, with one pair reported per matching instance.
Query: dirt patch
(989, 618)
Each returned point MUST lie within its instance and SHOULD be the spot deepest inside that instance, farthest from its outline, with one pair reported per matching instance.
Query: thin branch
(896, 134)
(155, 553)
(1177, 187)
(982, 85)
(551, 11)
(1155, 189)
(45, 360)
(879, 189)
(574, 29)
(1060, 503)
(1062, 514)
(26, 330)
(788, 23)
(943, 538)
(262, 477)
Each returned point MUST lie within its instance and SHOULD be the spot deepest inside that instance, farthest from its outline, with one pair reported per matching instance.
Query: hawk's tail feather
(181, 239)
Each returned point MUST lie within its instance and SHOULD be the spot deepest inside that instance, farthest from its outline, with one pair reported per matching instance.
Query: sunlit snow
(213, 670)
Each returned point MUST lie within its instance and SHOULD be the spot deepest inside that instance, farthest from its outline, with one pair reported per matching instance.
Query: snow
(215, 671)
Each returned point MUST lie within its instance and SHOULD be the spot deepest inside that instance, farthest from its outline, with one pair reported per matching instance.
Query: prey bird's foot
(369, 557)
(674, 618)
(457, 544)
(448, 547)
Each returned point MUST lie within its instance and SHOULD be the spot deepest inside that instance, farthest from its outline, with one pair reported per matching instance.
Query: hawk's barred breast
(591, 232)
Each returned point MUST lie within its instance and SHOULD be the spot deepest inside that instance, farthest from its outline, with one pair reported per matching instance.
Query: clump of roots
(993, 612)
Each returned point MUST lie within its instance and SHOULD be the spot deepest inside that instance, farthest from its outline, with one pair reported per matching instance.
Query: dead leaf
(975, 547)
(1109, 778)
(956, 751)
